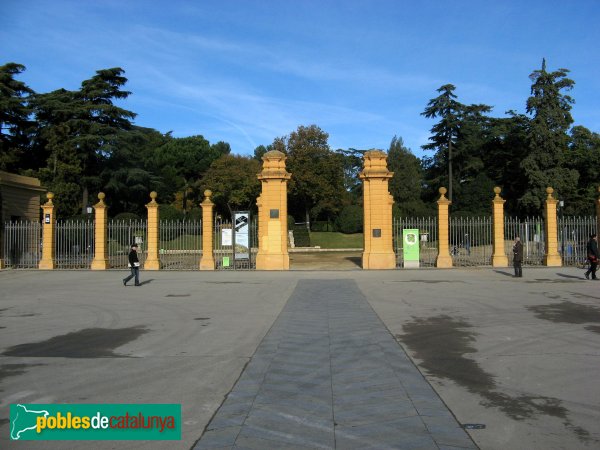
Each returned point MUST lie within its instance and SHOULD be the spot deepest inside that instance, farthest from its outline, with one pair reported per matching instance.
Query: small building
(19, 197)
(19, 202)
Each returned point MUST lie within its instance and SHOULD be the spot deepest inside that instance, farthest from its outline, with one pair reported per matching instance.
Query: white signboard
(226, 237)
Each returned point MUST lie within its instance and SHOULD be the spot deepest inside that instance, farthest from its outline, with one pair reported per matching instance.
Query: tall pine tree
(548, 138)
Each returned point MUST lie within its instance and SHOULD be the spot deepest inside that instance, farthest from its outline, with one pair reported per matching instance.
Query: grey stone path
(329, 375)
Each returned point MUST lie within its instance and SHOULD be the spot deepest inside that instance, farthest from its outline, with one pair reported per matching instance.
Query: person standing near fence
(518, 257)
(592, 256)
(134, 264)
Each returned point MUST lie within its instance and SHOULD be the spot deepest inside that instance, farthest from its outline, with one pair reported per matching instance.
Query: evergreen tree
(584, 157)
(15, 124)
(548, 138)
(458, 139)
(407, 183)
(445, 133)
(81, 128)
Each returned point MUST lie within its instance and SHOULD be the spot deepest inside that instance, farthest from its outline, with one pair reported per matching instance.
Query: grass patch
(330, 239)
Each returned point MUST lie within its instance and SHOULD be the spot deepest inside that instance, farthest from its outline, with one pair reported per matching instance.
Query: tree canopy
(82, 141)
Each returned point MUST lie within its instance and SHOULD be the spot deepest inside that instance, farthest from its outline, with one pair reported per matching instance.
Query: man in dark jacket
(518, 257)
(592, 255)
(134, 264)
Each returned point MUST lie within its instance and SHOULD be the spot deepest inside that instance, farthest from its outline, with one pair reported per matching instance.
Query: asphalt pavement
(321, 359)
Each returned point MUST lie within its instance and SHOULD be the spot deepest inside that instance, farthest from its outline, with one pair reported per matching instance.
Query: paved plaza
(314, 359)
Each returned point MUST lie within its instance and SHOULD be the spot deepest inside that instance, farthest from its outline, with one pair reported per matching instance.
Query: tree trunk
(450, 169)
(307, 217)
(84, 201)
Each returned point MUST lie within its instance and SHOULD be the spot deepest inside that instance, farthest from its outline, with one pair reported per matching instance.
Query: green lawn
(329, 239)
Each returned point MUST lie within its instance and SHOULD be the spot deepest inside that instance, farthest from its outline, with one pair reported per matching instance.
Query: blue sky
(248, 71)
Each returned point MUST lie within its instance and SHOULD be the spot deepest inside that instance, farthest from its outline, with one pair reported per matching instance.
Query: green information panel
(410, 246)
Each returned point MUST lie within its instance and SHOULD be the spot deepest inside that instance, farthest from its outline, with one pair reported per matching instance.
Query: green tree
(260, 151)
(584, 157)
(185, 160)
(15, 125)
(352, 160)
(317, 184)
(407, 183)
(458, 139)
(233, 182)
(128, 174)
(548, 138)
(81, 128)
(445, 132)
(505, 148)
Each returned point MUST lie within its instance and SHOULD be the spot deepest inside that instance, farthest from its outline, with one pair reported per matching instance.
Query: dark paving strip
(329, 375)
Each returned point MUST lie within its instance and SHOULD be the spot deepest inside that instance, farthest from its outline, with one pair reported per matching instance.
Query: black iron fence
(533, 236)
(74, 244)
(573, 235)
(428, 235)
(180, 244)
(121, 235)
(471, 241)
(22, 244)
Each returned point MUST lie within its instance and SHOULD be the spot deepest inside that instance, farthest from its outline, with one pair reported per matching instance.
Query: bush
(301, 236)
(169, 212)
(350, 219)
(194, 214)
(321, 225)
(291, 222)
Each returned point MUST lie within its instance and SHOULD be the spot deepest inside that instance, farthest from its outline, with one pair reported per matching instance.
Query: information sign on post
(241, 232)
(410, 247)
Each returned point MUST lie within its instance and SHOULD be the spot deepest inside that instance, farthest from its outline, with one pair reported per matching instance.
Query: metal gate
(471, 241)
(180, 244)
(121, 234)
(428, 232)
(244, 258)
(22, 244)
(532, 234)
(74, 244)
(573, 235)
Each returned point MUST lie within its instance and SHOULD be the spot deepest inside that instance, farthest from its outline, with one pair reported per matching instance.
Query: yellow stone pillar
(499, 258)
(48, 261)
(378, 251)
(100, 261)
(444, 260)
(207, 262)
(551, 256)
(272, 214)
(152, 262)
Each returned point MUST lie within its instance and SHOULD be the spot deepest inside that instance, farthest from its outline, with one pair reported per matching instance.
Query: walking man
(134, 264)
(518, 257)
(592, 255)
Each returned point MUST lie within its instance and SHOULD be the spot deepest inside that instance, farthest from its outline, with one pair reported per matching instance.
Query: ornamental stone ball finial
(50, 196)
(497, 190)
(442, 191)
(207, 193)
(101, 196)
(549, 191)
(153, 195)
